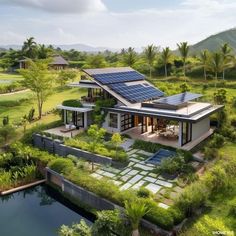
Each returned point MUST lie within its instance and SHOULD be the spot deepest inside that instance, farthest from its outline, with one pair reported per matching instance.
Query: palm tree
(130, 57)
(166, 56)
(135, 211)
(226, 53)
(216, 64)
(184, 50)
(150, 53)
(29, 48)
(204, 56)
(43, 51)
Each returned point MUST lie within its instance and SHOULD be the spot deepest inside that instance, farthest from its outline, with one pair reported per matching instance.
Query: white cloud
(190, 21)
(60, 6)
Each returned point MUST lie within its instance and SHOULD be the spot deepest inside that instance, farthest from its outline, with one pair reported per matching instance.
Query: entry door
(186, 133)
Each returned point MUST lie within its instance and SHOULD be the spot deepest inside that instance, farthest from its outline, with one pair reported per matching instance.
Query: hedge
(72, 103)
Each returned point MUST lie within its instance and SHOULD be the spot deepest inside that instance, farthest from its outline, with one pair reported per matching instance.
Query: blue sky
(114, 23)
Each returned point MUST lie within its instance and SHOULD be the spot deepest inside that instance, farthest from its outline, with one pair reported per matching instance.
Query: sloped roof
(59, 60)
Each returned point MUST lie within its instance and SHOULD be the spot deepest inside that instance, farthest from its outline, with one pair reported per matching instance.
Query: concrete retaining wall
(94, 200)
(57, 147)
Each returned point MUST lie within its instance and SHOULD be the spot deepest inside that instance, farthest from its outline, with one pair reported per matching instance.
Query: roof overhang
(78, 109)
(84, 84)
(169, 116)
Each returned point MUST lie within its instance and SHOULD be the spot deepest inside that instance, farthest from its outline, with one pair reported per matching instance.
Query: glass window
(113, 120)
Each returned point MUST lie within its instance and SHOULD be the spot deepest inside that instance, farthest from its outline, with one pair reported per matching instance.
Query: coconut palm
(216, 64)
(166, 56)
(204, 56)
(135, 210)
(29, 48)
(226, 54)
(129, 56)
(150, 53)
(184, 50)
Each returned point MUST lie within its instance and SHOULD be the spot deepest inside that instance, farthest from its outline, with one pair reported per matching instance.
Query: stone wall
(57, 147)
(93, 200)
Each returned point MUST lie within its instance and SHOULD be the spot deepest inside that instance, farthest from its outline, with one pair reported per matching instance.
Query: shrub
(61, 165)
(143, 193)
(232, 205)
(72, 103)
(217, 141)
(211, 153)
(192, 198)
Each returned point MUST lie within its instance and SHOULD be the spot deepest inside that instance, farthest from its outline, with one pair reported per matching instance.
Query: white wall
(105, 125)
(200, 128)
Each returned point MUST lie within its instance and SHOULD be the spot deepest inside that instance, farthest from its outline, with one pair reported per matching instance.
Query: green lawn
(17, 105)
(6, 78)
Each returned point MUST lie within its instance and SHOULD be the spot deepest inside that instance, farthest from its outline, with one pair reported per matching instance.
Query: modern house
(141, 110)
(58, 63)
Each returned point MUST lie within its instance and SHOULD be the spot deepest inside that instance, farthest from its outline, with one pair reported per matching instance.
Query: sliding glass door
(186, 133)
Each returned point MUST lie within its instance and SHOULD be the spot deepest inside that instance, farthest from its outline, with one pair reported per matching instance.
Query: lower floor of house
(179, 134)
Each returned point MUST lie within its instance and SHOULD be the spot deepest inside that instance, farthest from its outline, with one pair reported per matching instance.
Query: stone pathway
(140, 174)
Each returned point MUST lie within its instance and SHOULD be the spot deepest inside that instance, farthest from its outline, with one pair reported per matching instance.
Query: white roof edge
(79, 109)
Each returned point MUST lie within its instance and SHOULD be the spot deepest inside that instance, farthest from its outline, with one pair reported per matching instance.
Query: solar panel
(178, 99)
(118, 77)
(136, 93)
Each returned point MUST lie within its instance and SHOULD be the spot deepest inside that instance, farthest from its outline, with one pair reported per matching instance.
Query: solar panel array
(178, 99)
(118, 77)
(136, 93)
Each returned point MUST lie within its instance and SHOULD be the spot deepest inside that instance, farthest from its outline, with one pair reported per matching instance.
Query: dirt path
(21, 91)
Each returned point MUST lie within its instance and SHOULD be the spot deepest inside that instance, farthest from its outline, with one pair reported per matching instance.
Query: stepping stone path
(164, 183)
(150, 179)
(100, 172)
(144, 173)
(117, 182)
(108, 174)
(153, 175)
(127, 144)
(139, 184)
(145, 153)
(135, 179)
(125, 178)
(131, 164)
(143, 167)
(125, 171)
(96, 176)
(163, 205)
(125, 186)
(154, 188)
(133, 172)
(132, 151)
(134, 160)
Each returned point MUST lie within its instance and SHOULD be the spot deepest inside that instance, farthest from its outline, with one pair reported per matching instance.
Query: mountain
(214, 42)
(78, 47)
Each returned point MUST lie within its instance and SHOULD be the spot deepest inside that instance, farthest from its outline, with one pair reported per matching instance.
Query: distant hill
(213, 42)
(78, 47)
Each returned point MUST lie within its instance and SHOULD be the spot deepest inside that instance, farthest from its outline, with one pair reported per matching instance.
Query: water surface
(38, 211)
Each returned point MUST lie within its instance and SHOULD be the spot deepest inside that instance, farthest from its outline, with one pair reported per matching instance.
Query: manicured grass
(6, 78)
(17, 111)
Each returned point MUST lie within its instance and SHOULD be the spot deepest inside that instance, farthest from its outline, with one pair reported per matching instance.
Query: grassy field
(17, 105)
(6, 78)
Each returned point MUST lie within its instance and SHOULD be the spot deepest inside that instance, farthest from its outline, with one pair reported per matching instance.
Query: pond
(37, 211)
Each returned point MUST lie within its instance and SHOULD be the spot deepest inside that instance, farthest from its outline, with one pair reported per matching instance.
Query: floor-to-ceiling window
(127, 121)
(75, 118)
(186, 133)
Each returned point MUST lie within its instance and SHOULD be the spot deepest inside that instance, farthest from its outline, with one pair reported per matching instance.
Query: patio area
(61, 131)
(135, 133)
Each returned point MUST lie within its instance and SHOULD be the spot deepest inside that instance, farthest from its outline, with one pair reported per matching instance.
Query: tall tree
(166, 56)
(43, 51)
(226, 54)
(204, 56)
(130, 57)
(29, 48)
(135, 211)
(38, 79)
(216, 64)
(150, 53)
(184, 50)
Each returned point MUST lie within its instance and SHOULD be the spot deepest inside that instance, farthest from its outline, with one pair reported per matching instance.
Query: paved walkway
(127, 144)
